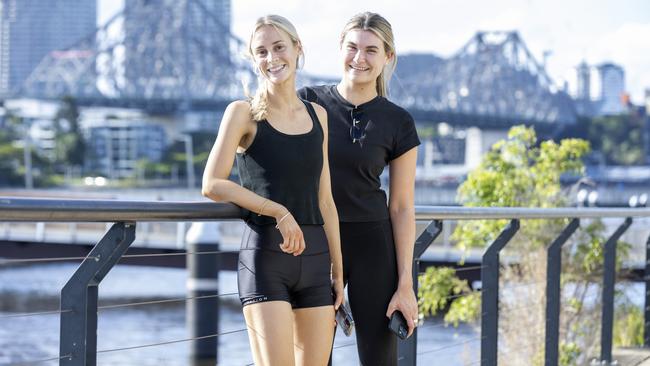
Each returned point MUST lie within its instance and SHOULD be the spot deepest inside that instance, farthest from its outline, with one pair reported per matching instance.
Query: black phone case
(398, 324)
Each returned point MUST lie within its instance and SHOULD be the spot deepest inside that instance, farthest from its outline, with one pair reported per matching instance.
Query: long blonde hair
(259, 101)
(381, 28)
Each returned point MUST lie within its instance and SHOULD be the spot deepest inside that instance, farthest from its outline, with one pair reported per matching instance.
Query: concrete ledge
(632, 356)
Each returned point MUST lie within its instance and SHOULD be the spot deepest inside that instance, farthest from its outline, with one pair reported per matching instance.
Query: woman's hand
(405, 301)
(294, 241)
(337, 287)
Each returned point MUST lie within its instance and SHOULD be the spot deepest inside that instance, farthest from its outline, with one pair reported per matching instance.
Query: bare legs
(281, 336)
(313, 335)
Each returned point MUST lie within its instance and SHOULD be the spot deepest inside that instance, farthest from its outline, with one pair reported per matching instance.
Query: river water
(36, 288)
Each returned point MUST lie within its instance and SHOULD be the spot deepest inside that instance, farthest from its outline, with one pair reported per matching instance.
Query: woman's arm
(235, 126)
(329, 213)
(402, 214)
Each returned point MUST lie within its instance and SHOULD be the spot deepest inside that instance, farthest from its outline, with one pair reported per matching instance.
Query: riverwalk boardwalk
(79, 297)
(632, 356)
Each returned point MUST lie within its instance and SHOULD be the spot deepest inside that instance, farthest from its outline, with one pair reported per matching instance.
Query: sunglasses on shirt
(356, 132)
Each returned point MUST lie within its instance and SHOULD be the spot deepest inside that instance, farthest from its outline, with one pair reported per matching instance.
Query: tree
(620, 138)
(520, 172)
(11, 159)
(70, 146)
(11, 154)
(175, 156)
(615, 139)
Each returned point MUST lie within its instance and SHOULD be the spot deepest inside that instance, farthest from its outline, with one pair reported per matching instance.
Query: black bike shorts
(266, 273)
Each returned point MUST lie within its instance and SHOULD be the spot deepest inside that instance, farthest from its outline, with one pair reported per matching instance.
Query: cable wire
(20, 315)
(460, 295)
(345, 345)
(164, 301)
(461, 269)
(170, 342)
(177, 254)
(57, 259)
(36, 260)
(54, 358)
(469, 268)
(105, 307)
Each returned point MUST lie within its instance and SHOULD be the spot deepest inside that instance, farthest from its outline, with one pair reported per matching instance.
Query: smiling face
(363, 55)
(274, 53)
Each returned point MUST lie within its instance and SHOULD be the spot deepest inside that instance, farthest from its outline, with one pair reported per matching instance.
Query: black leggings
(370, 271)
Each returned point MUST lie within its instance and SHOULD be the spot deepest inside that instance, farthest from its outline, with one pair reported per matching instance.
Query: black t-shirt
(389, 131)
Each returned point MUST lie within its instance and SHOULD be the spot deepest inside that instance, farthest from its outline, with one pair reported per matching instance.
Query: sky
(595, 31)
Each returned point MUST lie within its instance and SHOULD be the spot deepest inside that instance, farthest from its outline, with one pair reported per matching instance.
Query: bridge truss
(152, 50)
(493, 78)
(181, 52)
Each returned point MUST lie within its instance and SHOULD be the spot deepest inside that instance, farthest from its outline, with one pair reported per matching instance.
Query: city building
(611, 98)
(583, 90)
(42, 133)
(118, 145)
(37, 117)
(584, 104)
(31, 29)
(612, 89)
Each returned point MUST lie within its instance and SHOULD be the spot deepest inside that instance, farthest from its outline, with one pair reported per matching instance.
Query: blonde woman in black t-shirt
(367, 132)
(290, 259)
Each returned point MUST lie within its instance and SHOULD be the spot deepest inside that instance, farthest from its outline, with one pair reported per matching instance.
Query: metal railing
(78, 343)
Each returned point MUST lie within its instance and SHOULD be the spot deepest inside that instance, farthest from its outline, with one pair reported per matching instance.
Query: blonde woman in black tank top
(290, 267)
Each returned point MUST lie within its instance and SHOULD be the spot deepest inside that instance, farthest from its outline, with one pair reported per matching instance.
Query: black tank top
(285, 169)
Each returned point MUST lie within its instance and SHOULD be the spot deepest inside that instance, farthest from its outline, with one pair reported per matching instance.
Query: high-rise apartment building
(612, 88)
(583, 90)
(30, 29)
(584, 104)
(610, 82)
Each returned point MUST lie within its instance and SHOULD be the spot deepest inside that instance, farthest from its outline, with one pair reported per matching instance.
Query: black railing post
(609, 279)
(407, 349)
(490, 295)
(646, 278)
(553, 297)
(79, 327)
(203, 270)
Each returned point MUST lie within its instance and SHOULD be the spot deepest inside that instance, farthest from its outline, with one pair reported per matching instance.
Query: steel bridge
(164, 56)
(160, 56)
(492, 81)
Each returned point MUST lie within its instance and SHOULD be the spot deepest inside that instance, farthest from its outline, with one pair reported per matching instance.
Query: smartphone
(398, 324)
(344, 319)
